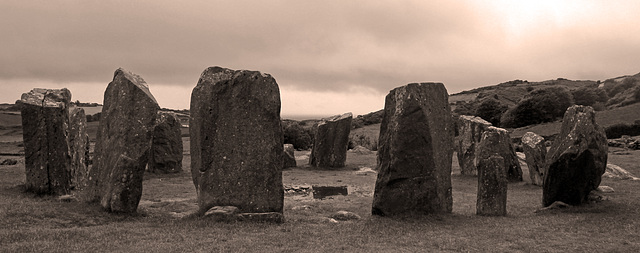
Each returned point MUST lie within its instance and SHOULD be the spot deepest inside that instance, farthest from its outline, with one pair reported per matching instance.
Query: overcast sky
(328, 57)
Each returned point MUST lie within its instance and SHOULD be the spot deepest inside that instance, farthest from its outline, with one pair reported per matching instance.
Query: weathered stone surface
(414, 152)
(331, 141)
(122, 143)
(237, 141)
(617, 172)
(79, 148)
(45, 125)
(535, 151)
(492, 187)
(576, 160)
(289, 158)
(470, 129)
(165, 155)
(496, 141)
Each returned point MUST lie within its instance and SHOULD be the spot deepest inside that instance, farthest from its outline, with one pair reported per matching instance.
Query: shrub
(541, 105)
(490, 110)
(620, 129)
(296, 135)
(613, 87)
(589, 96)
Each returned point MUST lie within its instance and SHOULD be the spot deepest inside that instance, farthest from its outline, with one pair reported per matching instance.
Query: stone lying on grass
(415, 152)
(617, 172)
(576, 160)
(45, 124)
(605, 189)
(9, 161)
(237, 141)
(232, 213)
(345, 215)
(331, 141)
(360, 150)
(554, 206)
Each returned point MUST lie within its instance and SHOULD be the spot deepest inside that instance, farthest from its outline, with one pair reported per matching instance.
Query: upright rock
(414, 152)
(122, 143)
(331, 141)
(535, 151)
(470, 129)
(79, 148)
(237, 141)
(289, 158)
(577, 158)
(492, 187)
(166, 145)
(496, 141)
(45, 124)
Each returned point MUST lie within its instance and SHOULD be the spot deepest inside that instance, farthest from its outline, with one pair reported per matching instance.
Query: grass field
(31, 223)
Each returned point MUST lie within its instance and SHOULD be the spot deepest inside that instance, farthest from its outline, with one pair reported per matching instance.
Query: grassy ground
(32, 223)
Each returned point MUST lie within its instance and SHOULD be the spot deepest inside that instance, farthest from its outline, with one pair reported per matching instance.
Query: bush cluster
(541, 105)
(491, 110)
(295, 134)
(589, 96)
(95, 117)
(620, 129)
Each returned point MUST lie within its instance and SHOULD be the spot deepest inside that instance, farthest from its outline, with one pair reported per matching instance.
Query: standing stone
(122, 143)
(492, 187)
(496, 141)
(166, 144)
(535, 151)
(331, 141)
(45, 123)
(79, 148)
(577, 158)
(470, 129)
(414, 154)
(289, 158)
(237, 141)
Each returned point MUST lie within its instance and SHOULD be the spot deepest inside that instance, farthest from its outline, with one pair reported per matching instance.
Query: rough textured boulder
(414, 152)
(331, 141)
(617, 172)
(496, 141)
(470, 129)
(122, 143)
(165, 155)
(535, 151)
(289, 158)
(492, 187)
(45, 123)
(79, 148)
(576, 160)
(237, 141)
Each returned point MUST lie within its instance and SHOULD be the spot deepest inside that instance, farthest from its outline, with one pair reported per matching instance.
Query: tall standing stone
(79, 148)
(166, 145)
(414, 152)
(331, 141)
(289, 158)
(122, 143)
(237, 141)
(45, 123)
(577, 158)
(496, 141)
(492, 187)
(470, 129)
(535, 151)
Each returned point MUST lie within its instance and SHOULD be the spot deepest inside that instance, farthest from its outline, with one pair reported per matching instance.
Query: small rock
(360, 150)
(605, 189)
(554, 205)
(9, 162)
(345, 215)
(222, 211)
(333, 220)
(67, 198)
(595, 196)
(365, 171)
(303, 207)
(615, 171)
